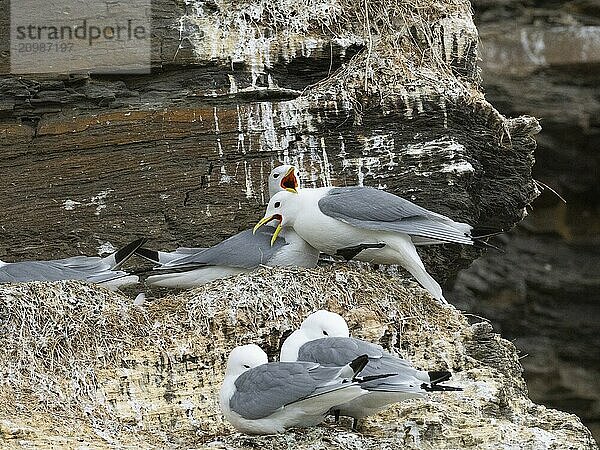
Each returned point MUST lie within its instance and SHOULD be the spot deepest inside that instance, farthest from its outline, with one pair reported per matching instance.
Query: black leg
(354, 424)
(336, 414)
(350, 252)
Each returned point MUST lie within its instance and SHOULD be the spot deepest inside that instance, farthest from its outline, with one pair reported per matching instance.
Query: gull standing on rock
(104, 271)
(258, 397)
(241, 253)
(381, 227)
(324, 338)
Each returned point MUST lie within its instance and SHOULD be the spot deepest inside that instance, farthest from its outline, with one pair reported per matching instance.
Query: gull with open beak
(244, 252)
(332, 218)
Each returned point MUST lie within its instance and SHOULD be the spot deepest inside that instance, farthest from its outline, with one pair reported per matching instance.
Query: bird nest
(402, 41)
(84, 366)
(57, 337)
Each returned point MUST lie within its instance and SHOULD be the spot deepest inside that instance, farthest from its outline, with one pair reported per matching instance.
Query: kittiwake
(104, 271)
(241, 253)
(324, 338)
(258, 397)
(382, 227)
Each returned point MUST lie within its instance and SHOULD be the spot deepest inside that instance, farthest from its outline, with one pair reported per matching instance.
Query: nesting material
(83, 365)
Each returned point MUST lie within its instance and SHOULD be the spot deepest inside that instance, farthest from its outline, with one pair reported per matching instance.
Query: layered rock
(83, 366)
(543, 292)
(383, 94)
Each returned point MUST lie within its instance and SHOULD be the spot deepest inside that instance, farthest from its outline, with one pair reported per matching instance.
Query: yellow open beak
(267, 220)
(275, 234)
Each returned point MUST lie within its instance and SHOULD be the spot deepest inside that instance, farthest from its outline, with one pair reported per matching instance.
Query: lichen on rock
(82, 365)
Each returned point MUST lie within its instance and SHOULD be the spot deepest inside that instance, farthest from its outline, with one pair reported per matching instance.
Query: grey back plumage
(88, 268)
(37, 271)
(63, 269)
(262, 390)
(377, 210)
(244, 250)
(338, 351)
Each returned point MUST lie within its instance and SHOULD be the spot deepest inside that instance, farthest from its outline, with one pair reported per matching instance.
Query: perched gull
(259, 397)
(324, 338)
(104, 271)
(382, 228)
(241, 253)
(283, 178)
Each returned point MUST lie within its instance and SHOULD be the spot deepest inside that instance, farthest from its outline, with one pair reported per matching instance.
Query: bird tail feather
(150, 255)
(439, 388)
(119, 257)
(439, 376)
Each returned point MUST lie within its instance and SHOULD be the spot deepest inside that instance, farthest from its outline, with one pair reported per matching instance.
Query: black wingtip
(151, 255)
(358, 364)
(439, 388)
(439, 376)
(124, 253)
(376, 377)
(480, 239)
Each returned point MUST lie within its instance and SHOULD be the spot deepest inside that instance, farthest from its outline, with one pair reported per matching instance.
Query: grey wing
(90, 268)
(338, 351)
(82, 263)
(389, 364)
(244, 250)
(25, 271)
(406, 379)
(373, 209)
(263, 390)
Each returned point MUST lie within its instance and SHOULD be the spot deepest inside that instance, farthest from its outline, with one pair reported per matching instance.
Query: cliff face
(543, 292)
(384, 94)
(82, 366)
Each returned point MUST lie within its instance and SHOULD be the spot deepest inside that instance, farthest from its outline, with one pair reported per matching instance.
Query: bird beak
(289, 182)
(267, 220)
(261, 223)
(274, 237)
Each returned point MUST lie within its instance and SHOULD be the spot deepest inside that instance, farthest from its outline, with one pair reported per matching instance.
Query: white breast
(297, 252)
(325, 233)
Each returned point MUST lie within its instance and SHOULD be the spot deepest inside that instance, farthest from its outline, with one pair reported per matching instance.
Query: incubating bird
(324, 338)
(104, 271)
(258, 397)
(241, 253)
(331, 219)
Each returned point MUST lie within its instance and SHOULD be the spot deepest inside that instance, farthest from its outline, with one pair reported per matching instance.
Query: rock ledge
(83, 366)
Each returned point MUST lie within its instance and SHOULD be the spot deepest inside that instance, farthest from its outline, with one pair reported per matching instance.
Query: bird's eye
(246, 366)
(277, 204)
(325, 333)
(275, 175)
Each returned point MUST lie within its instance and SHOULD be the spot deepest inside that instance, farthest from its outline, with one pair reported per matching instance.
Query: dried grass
(403, 40)
(56, 337)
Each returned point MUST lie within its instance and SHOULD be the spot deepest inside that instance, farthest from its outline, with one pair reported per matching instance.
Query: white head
(243, 358)
(283, 178)
(283, 207)
(320, 324)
